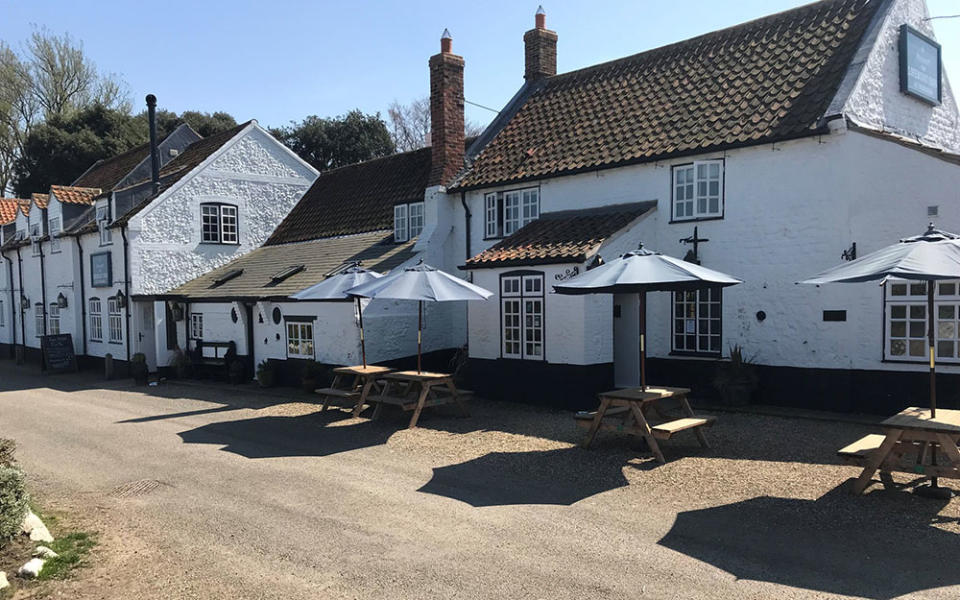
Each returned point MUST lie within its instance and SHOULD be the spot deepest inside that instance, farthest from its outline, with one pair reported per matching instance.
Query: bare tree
(410, 124)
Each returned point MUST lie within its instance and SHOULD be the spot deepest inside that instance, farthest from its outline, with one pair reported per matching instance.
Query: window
(506, 212)
(38, 318)
(53, 319)
(54, 227)
(299, 339)
(400, 223)
(95, 310)
(35, 238)
(218, 224)
(115, 320)
(196, 326)
(697, 319)
(698, 190)
(103, 222)
(2, 324)
(416, 219)
(906, 321)
(521, 298)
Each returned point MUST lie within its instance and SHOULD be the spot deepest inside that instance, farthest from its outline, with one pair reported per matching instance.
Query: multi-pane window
(38, 319)
(506, 212)
(196, 326)
(697, 321)
(95, 311)
(299, 339)
(218, 224)
(698, 190)
(521, 305)
(53, 319)
(35, 238)
(115, 320)
(407, 221)
(906, 320)
(103, 224)
(54, 227)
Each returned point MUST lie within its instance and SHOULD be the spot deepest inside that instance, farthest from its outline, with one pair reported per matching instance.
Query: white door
(626, 340)
(146, 335)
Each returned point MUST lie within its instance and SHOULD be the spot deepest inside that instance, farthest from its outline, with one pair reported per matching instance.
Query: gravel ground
(198, 493)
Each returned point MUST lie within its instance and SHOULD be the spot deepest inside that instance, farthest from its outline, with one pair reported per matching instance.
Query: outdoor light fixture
(24, 302)
(61, 300)
(121, 299)
(176, 310)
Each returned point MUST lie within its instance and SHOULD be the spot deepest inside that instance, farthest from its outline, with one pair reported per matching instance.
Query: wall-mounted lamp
(61, 300)
(121, 299)
(24, 303)
(176, 310)
(850, 253)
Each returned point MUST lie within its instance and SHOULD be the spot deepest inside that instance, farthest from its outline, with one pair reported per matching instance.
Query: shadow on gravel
(305, 435)
(561, 477)
(881, 545)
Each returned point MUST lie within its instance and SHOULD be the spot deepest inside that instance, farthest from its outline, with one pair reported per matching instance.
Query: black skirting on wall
(290, 371)
(571, 387)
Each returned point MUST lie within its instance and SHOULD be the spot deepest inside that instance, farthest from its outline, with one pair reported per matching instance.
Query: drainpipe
(83, 298)
(43, 288)
(126, 285)
(23, 325)
(13, 305)
(466, 220)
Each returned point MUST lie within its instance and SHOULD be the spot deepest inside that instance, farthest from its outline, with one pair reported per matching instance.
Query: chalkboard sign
(101, 271)
(920, 66)
(58, 355)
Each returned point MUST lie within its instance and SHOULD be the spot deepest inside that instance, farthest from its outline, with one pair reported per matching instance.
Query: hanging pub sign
(101, 271)
(920, 66)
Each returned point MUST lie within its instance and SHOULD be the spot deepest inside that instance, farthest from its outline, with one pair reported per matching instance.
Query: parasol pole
(643, 344)
(419, 333)
(363, 345)
(934, 481)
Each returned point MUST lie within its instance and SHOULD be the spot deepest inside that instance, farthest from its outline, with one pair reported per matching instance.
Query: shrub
(13, 502)
(266, 374)
(7, 448)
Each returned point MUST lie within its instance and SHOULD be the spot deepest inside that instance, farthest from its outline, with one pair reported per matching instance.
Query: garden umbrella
(335, 288)
(643, 271)
(422, 283)
(930, 257)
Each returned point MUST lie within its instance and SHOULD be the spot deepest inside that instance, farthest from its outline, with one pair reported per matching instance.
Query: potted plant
(266, 374)
(235, 371)
(736, 379)
(138, 368)
(181, 363)
(313, 372)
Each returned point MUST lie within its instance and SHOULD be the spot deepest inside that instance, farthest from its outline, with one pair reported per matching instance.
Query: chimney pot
(446, 42)
(541, 18)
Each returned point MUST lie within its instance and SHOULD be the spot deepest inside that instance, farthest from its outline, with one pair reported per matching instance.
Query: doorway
(146, 335)
(626, 340)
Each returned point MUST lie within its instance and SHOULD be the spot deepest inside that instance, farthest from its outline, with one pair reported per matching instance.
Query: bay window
(698, 190)
(218, 224)
(521, 315)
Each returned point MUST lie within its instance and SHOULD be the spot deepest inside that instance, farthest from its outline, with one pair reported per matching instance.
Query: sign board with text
(101, 270)
(920, 66)
(58, 354)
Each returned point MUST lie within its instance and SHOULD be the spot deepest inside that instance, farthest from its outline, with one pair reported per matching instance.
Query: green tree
(203, 123)
(62, 148)
(328, 143)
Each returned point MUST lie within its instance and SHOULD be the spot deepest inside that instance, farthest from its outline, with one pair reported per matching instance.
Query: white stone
(31, 570)
(34, 527)
(44, 552)
(3, 581)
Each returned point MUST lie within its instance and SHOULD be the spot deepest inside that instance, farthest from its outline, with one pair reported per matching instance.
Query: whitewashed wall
(91, 245)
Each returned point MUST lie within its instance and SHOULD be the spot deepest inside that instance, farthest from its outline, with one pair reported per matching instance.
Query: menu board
(920, 66)
(58, 354)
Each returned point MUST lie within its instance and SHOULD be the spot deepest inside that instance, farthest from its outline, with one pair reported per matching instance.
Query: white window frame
(196, 326)
(223, 218)
(491, 214)
(95, 312)
(38, 319)
(707, 307)
(53, 319)
(53, 225)
(103, 224)
(2, 317)
(415, 219)
(114, 320)
(522, 315)
(905, 321)
(505, 213)
(698, 190)
(400, 223)
(36, 230)
(300, 340)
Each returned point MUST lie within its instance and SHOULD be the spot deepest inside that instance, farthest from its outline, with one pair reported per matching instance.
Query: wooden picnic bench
(627, 411)
(914, 442)
(352, 384)
(214, 354)
(412, 390)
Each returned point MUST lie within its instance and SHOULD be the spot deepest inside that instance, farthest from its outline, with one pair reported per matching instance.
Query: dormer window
(53, 226)
(407, 221)
(698, 190)
(35, 234)
(506, 212)
(103, 224)
(218, 224)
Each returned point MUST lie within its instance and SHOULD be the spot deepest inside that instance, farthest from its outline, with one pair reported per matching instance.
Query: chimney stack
(540, 49)
(446, 112)
(154, 151)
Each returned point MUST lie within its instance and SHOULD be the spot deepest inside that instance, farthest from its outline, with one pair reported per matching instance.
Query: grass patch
(72, 548)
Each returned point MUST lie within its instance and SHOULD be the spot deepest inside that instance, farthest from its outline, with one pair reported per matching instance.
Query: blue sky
(281, 60)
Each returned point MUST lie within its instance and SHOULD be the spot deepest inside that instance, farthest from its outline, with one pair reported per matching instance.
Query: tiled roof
(186, 161)
(74, 194)
(375, 250)
(356, 198)
(26, 204)
(107, 173)
(41, 200)
(8, 210)
(560, 237)
(766, 80)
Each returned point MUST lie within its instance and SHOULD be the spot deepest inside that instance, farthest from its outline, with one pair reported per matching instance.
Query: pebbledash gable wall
(254, 173)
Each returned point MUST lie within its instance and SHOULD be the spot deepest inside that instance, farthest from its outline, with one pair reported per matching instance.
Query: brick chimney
(446, 112)
(540, 49)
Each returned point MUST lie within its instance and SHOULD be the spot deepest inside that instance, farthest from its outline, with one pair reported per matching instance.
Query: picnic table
(636, 405)
(353, 384)
(910, 431)
(412, 390)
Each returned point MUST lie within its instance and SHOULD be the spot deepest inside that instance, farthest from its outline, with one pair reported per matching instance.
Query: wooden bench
(222, 352)
(664, 431)
(861, 448)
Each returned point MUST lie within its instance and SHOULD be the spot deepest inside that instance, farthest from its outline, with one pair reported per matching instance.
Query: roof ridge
(372, 160)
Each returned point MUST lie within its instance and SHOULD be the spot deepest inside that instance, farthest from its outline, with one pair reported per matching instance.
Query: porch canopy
(422, 283)
(643, 271)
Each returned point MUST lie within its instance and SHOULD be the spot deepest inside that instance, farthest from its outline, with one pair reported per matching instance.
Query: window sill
(673, 221)
(120, 343)
(941, 362)
(219, 243)
(685, 354)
